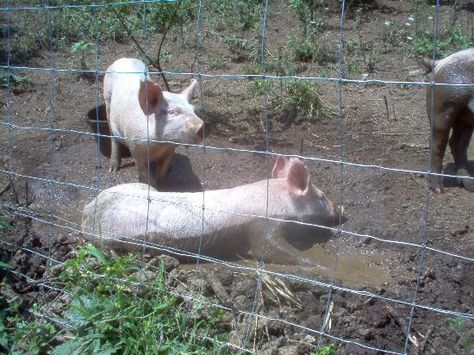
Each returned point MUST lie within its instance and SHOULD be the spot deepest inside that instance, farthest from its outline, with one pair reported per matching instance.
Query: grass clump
(303, 102)
(115, 307)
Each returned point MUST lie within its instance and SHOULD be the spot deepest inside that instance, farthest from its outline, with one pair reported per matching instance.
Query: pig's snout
(195, 129)
(339, 216)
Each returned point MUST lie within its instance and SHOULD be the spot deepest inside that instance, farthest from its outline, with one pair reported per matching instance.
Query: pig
(234, 221)
(138, 109)
(451, 107)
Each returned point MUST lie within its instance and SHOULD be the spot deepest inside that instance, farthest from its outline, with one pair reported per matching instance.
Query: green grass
(115, 307)
(60, 28)
(465, 342)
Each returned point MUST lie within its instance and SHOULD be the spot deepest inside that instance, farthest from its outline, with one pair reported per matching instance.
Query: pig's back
(458, 68)
(122, 85)
(122, 213)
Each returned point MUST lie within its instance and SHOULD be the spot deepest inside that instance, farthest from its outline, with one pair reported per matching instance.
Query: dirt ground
(381, 125)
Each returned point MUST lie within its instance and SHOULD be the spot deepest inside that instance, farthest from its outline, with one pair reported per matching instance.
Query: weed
(306, 11)
(420, 38)
(353, 67)
(82, 48)
(5, 222)
(326, 350)
(301, 102)
(115, 307)
(261, 86)
(392, 36)
(239, 15)
(465, 341)
(63, 27)
(366, 49)
(450, 40)
(311, 49)
(302, 50)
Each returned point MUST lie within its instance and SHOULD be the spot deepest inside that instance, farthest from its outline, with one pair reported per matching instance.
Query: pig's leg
(140, 156)
(440, 140)
(161, 168)
(459, 142)
(114, 155)
(271, 246)
(442, 125)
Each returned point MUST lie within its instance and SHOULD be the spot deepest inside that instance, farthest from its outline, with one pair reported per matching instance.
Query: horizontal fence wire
(231, 76)
(228, 149)
(340, 80)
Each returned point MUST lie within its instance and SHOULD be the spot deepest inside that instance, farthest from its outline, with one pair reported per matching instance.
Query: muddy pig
(452, 107)
(234, 221)
(138, 109)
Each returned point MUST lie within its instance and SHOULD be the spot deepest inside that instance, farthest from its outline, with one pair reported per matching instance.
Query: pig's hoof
(467, 183)
(438, 190)
(113, 168)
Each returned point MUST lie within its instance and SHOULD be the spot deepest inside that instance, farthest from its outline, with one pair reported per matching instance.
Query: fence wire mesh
(55, 209)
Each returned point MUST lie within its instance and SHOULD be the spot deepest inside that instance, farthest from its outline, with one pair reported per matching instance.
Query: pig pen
(378, 284)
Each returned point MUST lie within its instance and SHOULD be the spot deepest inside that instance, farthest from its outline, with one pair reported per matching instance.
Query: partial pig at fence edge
(233, 221)
(140, 112)
(451, 108)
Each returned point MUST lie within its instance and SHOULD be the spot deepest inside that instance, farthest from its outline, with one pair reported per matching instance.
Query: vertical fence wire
(98, 140)
(10, 158)
(258, 296)
(426, 219)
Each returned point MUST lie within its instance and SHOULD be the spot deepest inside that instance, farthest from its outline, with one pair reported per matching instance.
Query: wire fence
(9, 125)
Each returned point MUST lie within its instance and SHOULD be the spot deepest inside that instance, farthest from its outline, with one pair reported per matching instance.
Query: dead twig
(422, 346)
(218, 288)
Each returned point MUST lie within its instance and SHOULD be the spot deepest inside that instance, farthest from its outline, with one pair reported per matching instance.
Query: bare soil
(381, 125)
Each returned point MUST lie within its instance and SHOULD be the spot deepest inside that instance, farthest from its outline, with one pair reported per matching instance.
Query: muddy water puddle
(352, 269)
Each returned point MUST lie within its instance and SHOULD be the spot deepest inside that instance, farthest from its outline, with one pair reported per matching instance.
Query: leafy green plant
(239, 15)
(300, 102)
(307, 11)
(82, 48)
(450, 40)
(17, 82)
(419, 36)
(5, 222)
(116, 306)
(302, 50)
(65, 26)
(261, 87)
(326, 350)
(465, 341)
(366, 48)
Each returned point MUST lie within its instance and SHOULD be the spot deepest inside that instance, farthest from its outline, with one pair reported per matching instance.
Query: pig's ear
(298, 178)
(189, 91)
(279, 170)
(149, 96)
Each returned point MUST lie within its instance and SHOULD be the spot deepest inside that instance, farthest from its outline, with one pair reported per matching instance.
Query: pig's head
(174, 113)
(308, 203)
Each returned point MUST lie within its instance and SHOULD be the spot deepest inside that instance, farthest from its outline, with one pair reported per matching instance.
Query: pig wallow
(451, 107)
(232, 223)
(140, 113)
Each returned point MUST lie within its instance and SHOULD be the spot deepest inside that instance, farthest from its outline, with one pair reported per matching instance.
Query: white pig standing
(137, 110)
(232, 217)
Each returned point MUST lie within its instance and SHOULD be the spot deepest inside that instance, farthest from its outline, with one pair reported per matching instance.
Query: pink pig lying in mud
(138, 109)
(451, 107)
(232, 217)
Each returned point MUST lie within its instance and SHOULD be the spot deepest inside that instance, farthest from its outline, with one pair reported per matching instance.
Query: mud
(381, 125)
